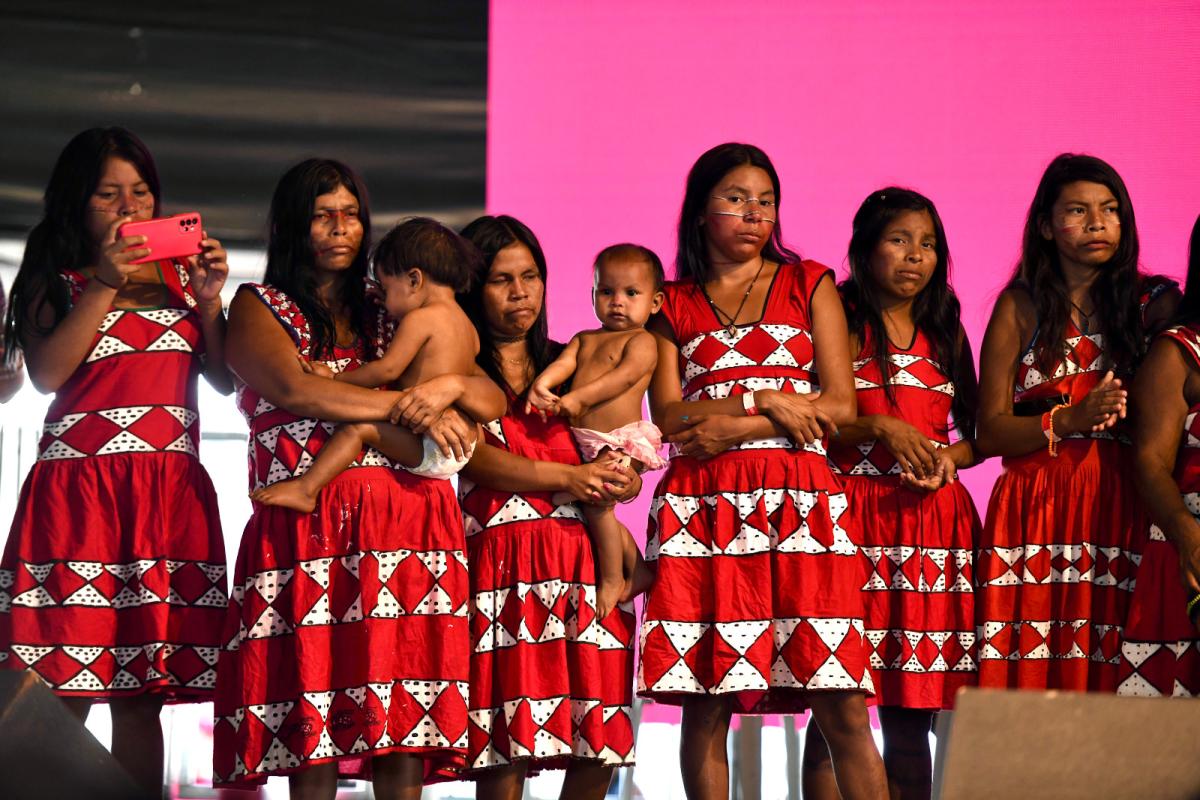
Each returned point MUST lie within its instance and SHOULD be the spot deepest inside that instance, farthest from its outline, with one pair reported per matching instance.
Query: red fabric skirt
(113, 578)
(1056, 566)
(1160, 654)
(347, 636)
(920, 609)
(550, 683)
(758, 588)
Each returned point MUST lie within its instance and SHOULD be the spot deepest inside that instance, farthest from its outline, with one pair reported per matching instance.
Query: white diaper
(436, 464)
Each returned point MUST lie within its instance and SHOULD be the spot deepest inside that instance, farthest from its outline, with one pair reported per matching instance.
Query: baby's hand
(569, 406)
(314, 368)
(540, 399)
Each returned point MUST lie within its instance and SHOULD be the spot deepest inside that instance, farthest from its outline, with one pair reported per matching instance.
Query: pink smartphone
(177, 236)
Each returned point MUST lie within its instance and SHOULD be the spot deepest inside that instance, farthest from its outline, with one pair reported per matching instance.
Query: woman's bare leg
(906, 755)
(315, 783)
(78, 706)
(501, 783)
(586, 781)
(702, 754)
(842, 717)
(137, 739)
(817, 780)
(397, 776)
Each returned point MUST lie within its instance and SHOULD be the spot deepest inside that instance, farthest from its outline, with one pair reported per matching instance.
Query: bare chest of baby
(600, 353)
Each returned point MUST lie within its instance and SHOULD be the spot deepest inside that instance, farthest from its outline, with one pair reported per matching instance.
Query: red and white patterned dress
(113, 578)
(920, 611)
(757, 593)
(550, 682)
(347, 634)
(1061, 542)
(1160, 654)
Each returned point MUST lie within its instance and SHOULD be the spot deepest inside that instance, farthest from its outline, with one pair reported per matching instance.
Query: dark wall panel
(228, 95)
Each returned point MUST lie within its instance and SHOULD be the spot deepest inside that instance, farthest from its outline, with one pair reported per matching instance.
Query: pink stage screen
(597, 110)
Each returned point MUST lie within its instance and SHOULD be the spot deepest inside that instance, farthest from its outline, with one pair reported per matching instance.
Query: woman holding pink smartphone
(112, 583)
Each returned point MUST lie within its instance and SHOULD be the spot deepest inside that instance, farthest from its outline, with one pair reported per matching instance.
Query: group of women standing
(812, 546)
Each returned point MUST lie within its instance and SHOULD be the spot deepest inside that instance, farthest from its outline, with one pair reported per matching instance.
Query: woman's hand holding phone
(207, 272)
(118, 254)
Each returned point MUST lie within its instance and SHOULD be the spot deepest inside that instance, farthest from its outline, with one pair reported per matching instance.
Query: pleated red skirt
(113, 577)
(918, 594)
(758, 593)
(347, 633)
(1160, 654)
(1056, 567)
(550, 682)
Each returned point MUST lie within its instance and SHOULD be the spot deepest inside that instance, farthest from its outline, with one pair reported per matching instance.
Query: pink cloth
(640, 440)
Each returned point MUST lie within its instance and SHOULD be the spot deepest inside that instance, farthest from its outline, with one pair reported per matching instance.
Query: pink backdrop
(597, 110)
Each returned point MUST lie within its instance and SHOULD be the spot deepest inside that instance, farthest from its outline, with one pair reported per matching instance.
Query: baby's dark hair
(633, 252)
(428, 245)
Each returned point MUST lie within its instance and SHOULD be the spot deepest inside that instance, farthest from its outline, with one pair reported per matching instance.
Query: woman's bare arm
(263, 356)
(1160, 408)
(672, 414)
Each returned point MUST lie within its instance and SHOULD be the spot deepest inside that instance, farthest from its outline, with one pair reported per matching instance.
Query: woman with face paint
(756, 607)
(345, 647)
(916, 392)
(1160, 655)
(1064, 526)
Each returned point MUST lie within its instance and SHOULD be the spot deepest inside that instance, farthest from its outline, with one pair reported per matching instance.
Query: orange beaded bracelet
(1052, 438)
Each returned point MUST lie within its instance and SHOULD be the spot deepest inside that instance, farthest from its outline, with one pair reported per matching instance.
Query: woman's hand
(207, 273)
(912, 449)
(944, 472)
(1099, 410)
(113, 269)
(454, 433)
(622, 493)
(796, 413)
(420, 406)
(708, 435)
(597, 482)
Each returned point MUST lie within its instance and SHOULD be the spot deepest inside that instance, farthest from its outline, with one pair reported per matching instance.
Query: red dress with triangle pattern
(1160, 654)
(113, 577)
(346, 636)
(757, 593)
(920, 611)
(550, 683)
(1061, 542)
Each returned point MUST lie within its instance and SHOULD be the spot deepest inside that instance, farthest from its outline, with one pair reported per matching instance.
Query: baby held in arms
(420, 266)
(611, 366)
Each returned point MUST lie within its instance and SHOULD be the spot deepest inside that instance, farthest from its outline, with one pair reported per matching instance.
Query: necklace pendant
(731, 329)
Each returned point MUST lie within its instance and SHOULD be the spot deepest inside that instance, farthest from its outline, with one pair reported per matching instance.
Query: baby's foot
(608, 594)
(288, 494)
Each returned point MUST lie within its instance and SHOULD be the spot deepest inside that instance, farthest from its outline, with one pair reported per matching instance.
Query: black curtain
(228, 95)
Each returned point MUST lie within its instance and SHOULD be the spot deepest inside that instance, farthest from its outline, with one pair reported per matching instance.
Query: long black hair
(691, 259)
(935, 311)
(60, 240)
(1188, 311)
(290, 256)
(1115, 293)
(491, 234)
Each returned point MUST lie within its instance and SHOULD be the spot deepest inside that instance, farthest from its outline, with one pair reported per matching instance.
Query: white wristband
(748, 404)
